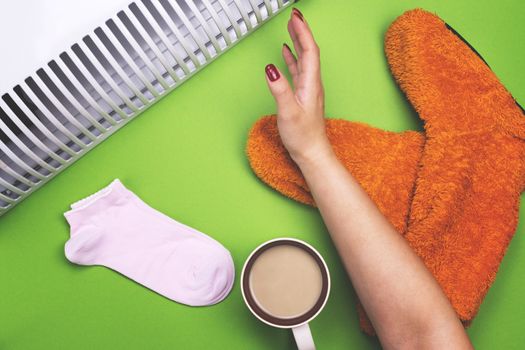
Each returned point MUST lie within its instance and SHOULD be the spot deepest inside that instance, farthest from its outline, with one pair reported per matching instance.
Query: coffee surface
(285, 281)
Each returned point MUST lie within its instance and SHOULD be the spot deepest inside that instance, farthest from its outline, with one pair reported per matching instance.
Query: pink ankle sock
(116, 229)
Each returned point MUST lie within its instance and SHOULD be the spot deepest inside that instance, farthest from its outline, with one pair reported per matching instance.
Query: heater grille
(110, 76)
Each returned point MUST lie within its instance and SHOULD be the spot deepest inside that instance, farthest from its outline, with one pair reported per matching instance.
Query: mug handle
(303, 337)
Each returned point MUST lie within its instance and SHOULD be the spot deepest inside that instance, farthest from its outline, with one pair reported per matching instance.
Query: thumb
(280, 88)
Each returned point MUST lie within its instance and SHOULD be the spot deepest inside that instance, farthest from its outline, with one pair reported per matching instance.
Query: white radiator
(53, 112)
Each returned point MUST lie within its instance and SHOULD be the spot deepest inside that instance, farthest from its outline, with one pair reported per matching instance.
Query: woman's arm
(403, 300)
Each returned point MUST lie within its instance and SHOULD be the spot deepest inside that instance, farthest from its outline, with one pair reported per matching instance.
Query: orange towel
(472, 171)
(383, 162)
(470, 165)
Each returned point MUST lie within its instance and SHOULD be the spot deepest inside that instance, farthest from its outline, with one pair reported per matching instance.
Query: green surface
(185, 157)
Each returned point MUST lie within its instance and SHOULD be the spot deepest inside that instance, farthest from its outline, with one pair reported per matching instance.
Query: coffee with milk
(285, 281)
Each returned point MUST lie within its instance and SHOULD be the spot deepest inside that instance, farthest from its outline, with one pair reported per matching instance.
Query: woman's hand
(300, 113)
(401, 297)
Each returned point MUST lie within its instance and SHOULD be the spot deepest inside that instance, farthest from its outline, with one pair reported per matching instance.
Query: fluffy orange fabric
(470, 169)
(383, 162)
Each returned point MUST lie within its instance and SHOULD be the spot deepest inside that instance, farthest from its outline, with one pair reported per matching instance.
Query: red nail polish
(271, 72)
(298, 14)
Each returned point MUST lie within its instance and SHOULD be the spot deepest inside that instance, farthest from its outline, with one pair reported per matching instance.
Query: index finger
(308, 61)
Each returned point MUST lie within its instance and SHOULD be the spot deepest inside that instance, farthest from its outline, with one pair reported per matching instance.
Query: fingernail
(287, 47)
(298, 14)
(271, 72)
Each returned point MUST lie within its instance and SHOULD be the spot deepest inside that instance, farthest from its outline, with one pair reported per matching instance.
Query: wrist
(315, 158)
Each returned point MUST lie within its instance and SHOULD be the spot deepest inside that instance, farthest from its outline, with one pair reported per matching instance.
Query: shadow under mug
(299, 324)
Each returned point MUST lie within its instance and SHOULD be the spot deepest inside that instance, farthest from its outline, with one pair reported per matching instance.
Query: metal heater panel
(75, 101)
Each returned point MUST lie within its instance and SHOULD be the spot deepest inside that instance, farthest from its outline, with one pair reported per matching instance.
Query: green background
(185, 157)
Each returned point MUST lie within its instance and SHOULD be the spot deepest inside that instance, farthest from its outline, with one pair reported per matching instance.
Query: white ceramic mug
(299, 325)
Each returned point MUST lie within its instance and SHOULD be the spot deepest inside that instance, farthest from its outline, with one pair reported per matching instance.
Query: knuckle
(279, 89)
(312, 49)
